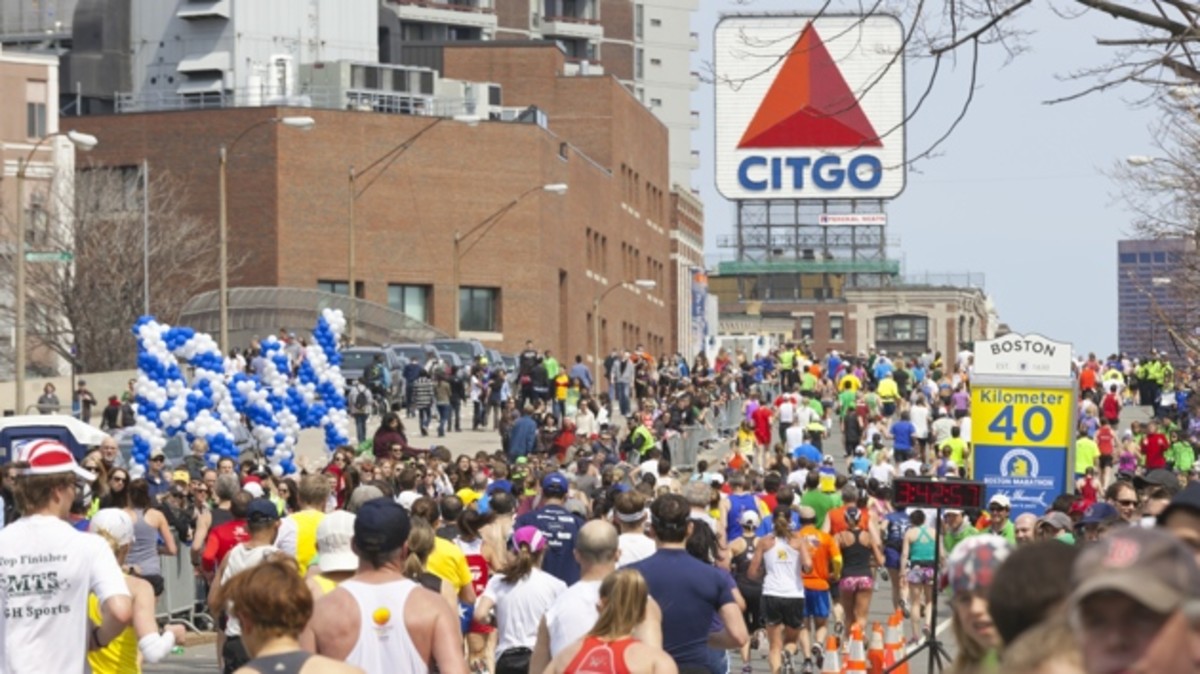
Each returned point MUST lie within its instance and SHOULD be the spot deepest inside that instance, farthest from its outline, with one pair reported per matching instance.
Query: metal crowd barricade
(177, 603)
(728, 417)
(692, 441)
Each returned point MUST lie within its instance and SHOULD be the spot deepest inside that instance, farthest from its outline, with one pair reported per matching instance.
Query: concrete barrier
(101, 384)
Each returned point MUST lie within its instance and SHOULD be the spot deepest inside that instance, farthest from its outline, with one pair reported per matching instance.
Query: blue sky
(1018, 192)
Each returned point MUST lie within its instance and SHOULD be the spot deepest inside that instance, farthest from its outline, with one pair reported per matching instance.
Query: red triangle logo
(809, 104)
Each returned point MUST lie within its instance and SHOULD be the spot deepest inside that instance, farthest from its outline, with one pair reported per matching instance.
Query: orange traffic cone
(856, 658)
(832, 664)
(893, 642)
(875, 650)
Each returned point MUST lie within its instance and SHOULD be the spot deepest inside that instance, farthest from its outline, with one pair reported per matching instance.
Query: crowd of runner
(579, 544)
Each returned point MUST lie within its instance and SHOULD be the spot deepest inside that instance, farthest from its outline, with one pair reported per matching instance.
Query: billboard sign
(1023, 419)
(809, 108)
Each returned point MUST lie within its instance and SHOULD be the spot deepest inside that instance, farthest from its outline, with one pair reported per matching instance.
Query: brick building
(530, 275)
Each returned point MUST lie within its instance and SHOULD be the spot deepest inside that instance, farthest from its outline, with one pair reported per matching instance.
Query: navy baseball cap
(381, 525)
(261, 510)
(1098, 512)
(555, 483)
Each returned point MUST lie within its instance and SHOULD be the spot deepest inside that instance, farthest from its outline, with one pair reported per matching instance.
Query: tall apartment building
(1148, 298)
(647, 45)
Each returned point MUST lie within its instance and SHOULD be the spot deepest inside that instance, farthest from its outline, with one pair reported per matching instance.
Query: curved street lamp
(302, 123)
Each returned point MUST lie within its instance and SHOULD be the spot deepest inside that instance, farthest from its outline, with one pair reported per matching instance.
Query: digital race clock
(920, 492)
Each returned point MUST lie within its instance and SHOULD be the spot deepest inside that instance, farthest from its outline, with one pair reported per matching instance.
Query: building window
(655, 23)
(413, 300)
(1160, 257)
(35, 109)
(335, 287)
(836, 328)
(901, 329)
(35, 126)
(656, 102)
(479, 309)
(656, 62)
(638, 17)
(1128, 258)
(639, 55)
(806, 327)
(1144, 258)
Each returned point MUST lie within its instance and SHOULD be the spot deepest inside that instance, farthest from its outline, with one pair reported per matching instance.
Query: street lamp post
(460, 237)
(301, 123)
(648, 284)
(390, 156)
(82, 141)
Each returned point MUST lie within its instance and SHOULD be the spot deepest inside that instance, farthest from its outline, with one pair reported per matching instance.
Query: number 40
(1005, 423)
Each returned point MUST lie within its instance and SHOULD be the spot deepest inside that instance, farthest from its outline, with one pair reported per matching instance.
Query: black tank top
(856, 557)
(283, 663)
(740, 565)
(220, 516)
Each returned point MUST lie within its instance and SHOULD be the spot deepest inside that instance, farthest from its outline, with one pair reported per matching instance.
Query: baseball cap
(1097, 513)
(555, 483)
(114, 522)
(1188, 499)
(261, 510)
(1000, 500)
(528, 536)
(47, 457)
(382, 525)
(181, 476)
(254, 489)
(157, 453)
(1150, 566)
(334, 534)
(1058, 520)
(406, 499)
(973, 564)
(1159, 477)
(749, 519)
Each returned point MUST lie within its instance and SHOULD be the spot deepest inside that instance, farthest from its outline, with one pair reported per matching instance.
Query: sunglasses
(117, 479)
(997, 509)
(158, 458)
(1127, 503)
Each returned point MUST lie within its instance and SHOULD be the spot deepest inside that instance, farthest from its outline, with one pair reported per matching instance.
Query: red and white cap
(47, 457)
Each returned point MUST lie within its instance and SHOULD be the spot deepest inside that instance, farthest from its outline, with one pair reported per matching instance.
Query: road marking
(937, 632)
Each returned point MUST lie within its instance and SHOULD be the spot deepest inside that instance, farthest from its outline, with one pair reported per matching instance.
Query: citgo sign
(809, 108)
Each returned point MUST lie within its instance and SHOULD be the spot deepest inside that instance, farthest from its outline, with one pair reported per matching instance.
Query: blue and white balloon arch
(218, 396)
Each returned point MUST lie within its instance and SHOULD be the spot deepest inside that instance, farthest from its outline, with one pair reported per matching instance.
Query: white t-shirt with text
(47, 569)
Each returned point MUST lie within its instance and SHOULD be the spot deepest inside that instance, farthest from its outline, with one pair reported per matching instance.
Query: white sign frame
(750, 50)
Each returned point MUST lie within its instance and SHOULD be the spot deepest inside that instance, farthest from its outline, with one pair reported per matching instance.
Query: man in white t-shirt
(47, 569)
(913, 465)
(629, 514)
(575, 611)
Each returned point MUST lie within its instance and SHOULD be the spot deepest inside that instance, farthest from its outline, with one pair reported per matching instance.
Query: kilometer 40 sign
(1021, 439)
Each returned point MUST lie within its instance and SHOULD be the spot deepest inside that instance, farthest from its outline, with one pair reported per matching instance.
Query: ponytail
(521, 565)
(781, 522)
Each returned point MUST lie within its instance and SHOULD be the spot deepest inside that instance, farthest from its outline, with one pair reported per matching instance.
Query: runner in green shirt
(1087, 454)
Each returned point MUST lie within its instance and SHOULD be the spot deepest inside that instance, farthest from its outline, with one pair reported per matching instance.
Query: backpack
(374, 373)
(361, 400)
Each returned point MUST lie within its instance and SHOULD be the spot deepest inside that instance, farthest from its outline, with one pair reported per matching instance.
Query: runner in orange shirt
(826, 567)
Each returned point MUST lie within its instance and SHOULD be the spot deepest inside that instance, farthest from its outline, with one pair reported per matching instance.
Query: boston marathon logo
(1019, 468)
(809, 105)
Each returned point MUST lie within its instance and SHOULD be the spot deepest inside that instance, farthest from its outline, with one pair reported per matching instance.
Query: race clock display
(919, 492)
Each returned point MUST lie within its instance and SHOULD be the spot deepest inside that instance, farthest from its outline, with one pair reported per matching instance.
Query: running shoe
(904, 609)
(808, 667)
(787, 668)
